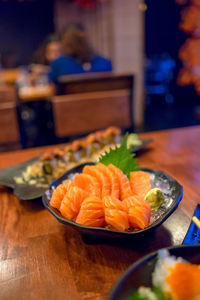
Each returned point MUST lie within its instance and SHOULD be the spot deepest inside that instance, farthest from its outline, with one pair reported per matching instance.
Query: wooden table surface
(43, 259)
(9, 76)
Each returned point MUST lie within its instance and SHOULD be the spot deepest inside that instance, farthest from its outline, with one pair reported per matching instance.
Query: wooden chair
(7, 93)
(9, 130)
(85, 112)
(94, 82)
(87, 103)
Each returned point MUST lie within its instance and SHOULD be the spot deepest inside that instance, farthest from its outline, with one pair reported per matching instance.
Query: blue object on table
(193, 234)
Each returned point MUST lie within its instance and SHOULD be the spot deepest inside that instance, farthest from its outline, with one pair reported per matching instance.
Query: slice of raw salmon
(117, 218)
(136, 201)
(68, 184)
(114, 183)
(138, 217)
(88, 183)
(91, 212)
(113, 203)
(139, 212)
(115, 213)
(59, 193)
(72, 201)
(101, 178)
(140, 183)
(125, 188)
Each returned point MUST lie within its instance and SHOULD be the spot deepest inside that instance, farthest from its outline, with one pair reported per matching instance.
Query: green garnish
(155, 198)
(133, 141)
(121, 157)
(159, 293)
(137, 296)
(156, 292)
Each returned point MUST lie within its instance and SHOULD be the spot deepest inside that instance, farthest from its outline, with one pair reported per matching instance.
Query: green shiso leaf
(121, 157)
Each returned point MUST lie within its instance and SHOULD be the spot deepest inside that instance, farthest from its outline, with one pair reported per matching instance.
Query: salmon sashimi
(103, 195)
(59, 193)
(139, 217)
(117, 218)
(88, 183)
(103, 180)
(139, 212)
(114, 183)
(113, 203)
(115, 213)
(125, 188)
(91, 212)
(136, 201)
(72, 201)
(140, 182)
(68, 184)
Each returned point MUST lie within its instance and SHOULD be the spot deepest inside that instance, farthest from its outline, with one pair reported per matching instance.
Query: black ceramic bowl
(172, 190)
(140, 273)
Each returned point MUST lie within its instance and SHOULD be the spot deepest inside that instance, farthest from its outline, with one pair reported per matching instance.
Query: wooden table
(43, 259)
(9, 76)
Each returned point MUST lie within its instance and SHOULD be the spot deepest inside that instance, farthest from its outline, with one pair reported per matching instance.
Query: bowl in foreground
(140, 273)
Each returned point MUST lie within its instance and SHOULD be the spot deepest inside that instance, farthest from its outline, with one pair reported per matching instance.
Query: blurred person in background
(77, 55)
(43, 58)
(49, 50)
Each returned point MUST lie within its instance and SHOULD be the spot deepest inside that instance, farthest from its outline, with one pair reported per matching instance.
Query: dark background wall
(162, 35)
(23, 26)
(162, 27)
